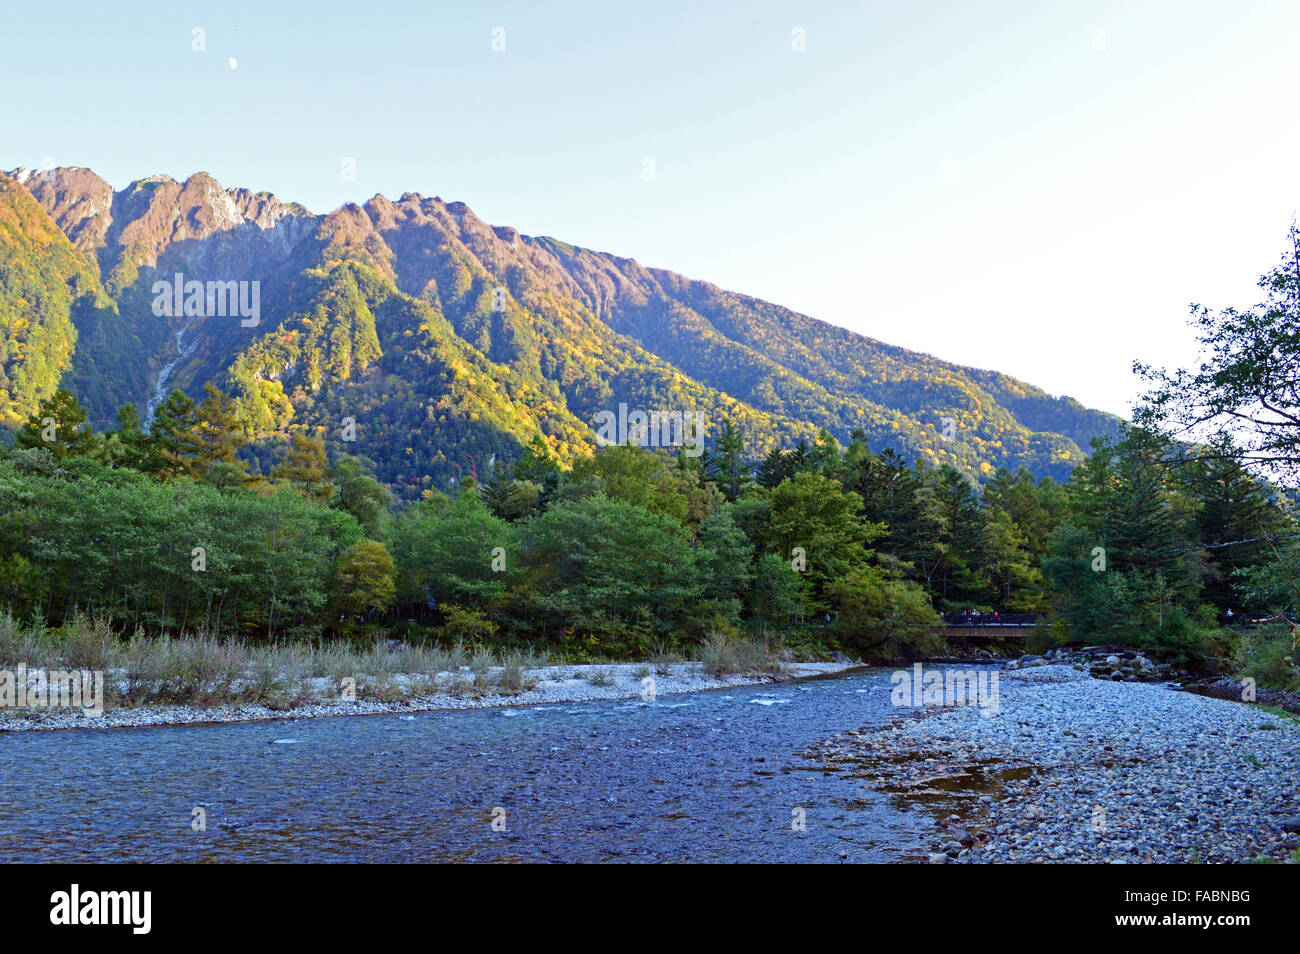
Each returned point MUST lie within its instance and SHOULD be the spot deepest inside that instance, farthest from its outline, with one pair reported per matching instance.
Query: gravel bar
(1074, 769)
(554, 684)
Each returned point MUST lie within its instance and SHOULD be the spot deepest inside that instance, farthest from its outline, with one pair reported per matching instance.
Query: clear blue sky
(1035, 187)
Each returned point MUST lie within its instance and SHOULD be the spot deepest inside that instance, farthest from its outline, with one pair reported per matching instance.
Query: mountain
(441, 342)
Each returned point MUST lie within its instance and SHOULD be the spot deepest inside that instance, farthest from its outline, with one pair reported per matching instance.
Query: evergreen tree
(537, 465)
(496, 492)
(173, 447)
(59, 425)
(960, 578)
(1239, 521)
(774, 468)
(128, 446)
(799, 457)
(825, 454)
(217, 437)
(732, 473)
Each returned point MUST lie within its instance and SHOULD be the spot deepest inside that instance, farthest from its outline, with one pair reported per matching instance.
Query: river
(711, 776)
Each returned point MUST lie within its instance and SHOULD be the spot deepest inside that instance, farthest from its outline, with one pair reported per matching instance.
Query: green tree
(774, 468)
(173, 446)
(448, 551)
(885, 619)
(815, 521)
(59, 425)
(363, 579)
(961, 576)
(731, 472)
(606, 575)
(778, 593)
(217, 436)
(128, 445)
(1245, 384)
(357, 493)
(724, 560)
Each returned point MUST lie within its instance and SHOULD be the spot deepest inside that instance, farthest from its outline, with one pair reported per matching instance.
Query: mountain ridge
(456, 340)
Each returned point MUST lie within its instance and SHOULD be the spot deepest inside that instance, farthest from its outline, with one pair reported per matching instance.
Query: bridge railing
(1031, 619)
(990, 619)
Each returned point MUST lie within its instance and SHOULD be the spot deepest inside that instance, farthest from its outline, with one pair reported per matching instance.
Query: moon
(234, 64)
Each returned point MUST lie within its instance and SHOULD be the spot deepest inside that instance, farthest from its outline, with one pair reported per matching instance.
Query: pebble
(1108, 772)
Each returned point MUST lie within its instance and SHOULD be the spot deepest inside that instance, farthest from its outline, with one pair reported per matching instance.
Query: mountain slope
(448, 342)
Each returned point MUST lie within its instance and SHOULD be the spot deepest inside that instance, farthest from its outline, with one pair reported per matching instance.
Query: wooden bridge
(1020, 625)
(989, 625)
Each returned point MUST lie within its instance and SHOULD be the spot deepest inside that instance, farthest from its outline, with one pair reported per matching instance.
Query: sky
(1039, 188)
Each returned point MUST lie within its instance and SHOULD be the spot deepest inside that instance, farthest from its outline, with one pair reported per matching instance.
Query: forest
(1165, 538)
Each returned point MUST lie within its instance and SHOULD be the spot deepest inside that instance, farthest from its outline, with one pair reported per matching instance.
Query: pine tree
(172, 447)
(799, 458)
(774, 468)
(732, 475)
(59, 425)
(496, 492)
(217, 436)
(537, 465)
(965, 536)
(130, 442)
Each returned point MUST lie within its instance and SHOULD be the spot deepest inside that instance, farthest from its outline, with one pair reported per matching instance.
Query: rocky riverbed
(1074, 768)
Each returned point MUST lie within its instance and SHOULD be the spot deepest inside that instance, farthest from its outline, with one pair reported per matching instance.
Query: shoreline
(555, 684)
(1076, 769)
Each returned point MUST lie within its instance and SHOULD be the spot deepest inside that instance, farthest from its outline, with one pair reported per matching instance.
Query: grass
(202, 670)
(1278, 711)
(721, 654)
(663, 659)
(1292, 859)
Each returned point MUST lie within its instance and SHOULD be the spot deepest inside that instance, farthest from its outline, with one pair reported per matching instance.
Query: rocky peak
(78, 201)
(152, 214)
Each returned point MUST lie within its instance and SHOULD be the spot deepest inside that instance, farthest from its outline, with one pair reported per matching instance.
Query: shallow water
(713, 776)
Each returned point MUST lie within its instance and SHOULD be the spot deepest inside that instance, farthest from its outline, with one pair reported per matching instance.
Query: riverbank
(451, 690)
(1075, 769)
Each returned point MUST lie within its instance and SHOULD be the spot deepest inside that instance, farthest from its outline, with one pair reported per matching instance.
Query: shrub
(722, 654)
(1269, 656)
(514, 677)
(663, 658)
(89, 644)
